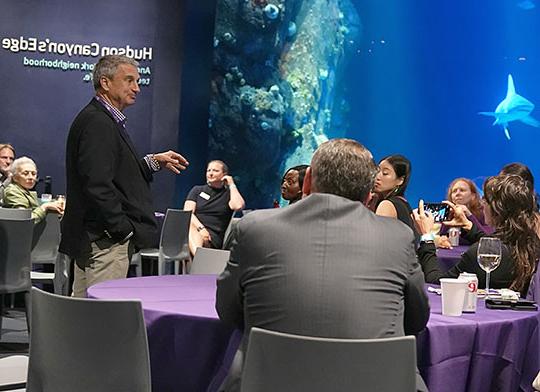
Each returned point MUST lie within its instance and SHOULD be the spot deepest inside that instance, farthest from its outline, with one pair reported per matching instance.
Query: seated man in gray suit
(325, 266)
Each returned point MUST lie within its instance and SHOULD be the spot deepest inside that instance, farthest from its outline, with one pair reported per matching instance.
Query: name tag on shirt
(204, 195)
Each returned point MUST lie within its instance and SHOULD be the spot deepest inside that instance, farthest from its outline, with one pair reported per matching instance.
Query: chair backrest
(283, 362)
(85, 345)
(15, 213)
(228, 237)
(15, 244)
(174, 242)
(209, 261)
(13, 370)
(46, 240)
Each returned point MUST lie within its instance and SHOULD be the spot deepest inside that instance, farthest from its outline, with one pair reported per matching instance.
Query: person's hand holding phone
(440, 211)
(465, 209)
(459, 216)
(423, 220)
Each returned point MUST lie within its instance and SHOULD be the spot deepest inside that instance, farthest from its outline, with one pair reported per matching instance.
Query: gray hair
(345, 168)
(108, 65)
(18, 162)
(8, 146)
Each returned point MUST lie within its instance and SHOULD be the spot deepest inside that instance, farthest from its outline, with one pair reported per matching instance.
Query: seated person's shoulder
(10, 190)
(195, 192)
(394, 227)
(386, 208)
(259, 219)
(14, 197)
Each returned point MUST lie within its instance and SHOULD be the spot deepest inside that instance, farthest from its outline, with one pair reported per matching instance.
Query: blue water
(399, 77)
(424, 71)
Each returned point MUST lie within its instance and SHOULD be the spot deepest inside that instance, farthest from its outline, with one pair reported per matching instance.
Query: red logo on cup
(472, 287)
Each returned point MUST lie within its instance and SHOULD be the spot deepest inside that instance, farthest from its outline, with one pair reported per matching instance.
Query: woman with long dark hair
(509, 207)
(519, 169)
(390, 186)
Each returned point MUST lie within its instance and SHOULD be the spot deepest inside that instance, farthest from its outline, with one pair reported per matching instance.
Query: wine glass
(489, 256)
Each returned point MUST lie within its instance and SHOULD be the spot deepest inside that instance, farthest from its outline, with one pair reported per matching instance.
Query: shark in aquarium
(512, 108)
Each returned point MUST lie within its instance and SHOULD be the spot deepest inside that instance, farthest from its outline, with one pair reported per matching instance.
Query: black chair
(45, 252)
(173, 244)
(16, 240)
(13, 370)
(209, 261)
(87, 345)
(324, 364)
(229, 233)
(15, 213)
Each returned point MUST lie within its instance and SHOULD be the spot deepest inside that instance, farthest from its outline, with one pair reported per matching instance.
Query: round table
(191, 350)
(489, 350)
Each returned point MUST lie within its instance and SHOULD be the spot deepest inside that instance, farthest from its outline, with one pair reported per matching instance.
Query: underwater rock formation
(276, 64)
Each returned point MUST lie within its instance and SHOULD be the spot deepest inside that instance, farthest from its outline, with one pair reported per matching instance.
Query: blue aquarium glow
(399, 79)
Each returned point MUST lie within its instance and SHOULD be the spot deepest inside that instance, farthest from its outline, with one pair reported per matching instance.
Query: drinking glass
(62, 200)
(46, 197)
(489, 256)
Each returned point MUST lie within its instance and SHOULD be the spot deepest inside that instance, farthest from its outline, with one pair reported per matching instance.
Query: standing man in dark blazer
(325, 266)
(109, 204)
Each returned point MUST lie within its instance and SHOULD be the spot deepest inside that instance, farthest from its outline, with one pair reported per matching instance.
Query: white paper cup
(453, 296)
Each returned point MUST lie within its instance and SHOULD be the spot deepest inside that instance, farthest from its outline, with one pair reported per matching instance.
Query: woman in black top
(212, 205)
(390, 185)
(509, 207)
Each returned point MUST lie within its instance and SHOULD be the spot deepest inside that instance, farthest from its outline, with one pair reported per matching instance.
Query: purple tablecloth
(450, 257)
(490, 350)
(190, 349)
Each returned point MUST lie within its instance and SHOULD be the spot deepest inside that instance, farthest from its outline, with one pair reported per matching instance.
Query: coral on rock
(276, 64)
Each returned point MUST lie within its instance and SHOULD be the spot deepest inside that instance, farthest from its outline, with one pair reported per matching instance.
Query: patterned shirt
(118, 116)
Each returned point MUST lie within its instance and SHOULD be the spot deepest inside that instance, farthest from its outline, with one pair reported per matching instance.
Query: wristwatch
(428, 238)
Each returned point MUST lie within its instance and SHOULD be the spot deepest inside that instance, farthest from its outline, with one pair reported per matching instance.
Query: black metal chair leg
(28, 309)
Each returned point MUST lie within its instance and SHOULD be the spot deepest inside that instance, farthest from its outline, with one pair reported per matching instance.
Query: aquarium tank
(450, 85)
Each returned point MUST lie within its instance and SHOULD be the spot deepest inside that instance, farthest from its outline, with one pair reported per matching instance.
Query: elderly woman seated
(19, 193)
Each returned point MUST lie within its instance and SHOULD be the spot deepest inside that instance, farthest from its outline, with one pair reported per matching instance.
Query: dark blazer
(108, 186)
(325, 266)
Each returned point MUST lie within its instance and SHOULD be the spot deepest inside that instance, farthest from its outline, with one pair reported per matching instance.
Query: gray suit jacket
(325, 266)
